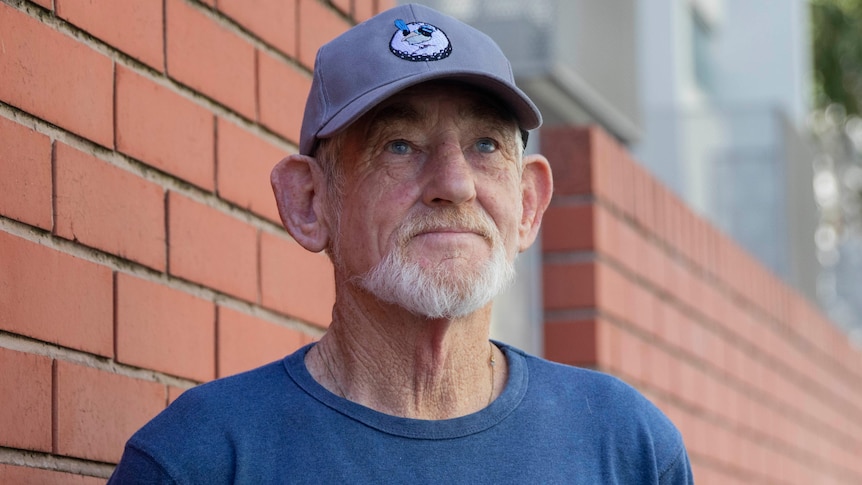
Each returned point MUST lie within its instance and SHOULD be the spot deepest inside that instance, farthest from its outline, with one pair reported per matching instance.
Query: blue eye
(398, 147)
(486, 145)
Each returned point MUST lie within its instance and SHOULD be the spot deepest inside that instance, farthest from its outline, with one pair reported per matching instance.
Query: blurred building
(712, 96)
(724, 90)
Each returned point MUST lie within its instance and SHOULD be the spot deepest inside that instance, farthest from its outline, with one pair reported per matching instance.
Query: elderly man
(412, 177)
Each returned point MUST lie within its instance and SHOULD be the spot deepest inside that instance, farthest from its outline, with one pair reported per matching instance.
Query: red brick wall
(764, 388)
(140, 248)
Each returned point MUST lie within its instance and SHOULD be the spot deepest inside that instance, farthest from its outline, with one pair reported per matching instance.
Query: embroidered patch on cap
(418, 41)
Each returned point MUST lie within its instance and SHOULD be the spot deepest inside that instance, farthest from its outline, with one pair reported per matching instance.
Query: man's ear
(298, 184)
(537, 186)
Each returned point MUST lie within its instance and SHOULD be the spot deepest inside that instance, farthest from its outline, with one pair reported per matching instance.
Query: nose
(449, 178)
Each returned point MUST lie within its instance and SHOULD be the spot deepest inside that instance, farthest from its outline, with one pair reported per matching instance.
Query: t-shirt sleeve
(138, 467)
(678, 472)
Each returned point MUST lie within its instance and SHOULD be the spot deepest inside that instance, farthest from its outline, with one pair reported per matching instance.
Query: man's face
(431, 200)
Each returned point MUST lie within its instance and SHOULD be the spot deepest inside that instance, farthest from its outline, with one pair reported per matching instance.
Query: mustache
(450, 218)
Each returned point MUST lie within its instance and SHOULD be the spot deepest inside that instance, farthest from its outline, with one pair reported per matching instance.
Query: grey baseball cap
(396, 49)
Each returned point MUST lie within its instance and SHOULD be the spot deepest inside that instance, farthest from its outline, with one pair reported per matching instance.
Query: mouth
(449, 226)
(450, 232)
(452, 241)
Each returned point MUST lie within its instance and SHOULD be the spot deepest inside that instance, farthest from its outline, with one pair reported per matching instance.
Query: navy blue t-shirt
(275, 424)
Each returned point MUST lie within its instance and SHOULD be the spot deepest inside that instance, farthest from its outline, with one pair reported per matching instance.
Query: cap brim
(525, 111)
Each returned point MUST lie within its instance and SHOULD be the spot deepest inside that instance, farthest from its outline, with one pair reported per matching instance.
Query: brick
(606, 232)
(697, 235)
(569, 286)
(25, 410)
(318, 25)
(621, 174)
(715, 346)
(572, 342)
(163, 329)
(613, 292)
(98, 411)
(107, 208)
(209, 58)
(686, 386)
(675, 213)
(134, 27)
(12, 474)
(165, 130)
(661, 373)
(343, 6)
(363, 9)
(212, 248)
(661, 221)
(569, 228)
(674, 327)
(693, 340)
(283, 90)
(631, 246)
(672, 215)
(632, 356)
(25, 187)
(608, 347)
(382, 5)
(642, 308)
(711, 238)
(274, 21)
(676, 278)
(711, 299)
(569, 152)
(644, 187)
(244, 164)
(652, 265)
(246, 342)
(55, 78)
(55, 297)
(174, 393)
(296, 282)
(605, 153)
(686, 234)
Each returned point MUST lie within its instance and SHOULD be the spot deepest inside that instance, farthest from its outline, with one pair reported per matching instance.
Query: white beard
(440, 292)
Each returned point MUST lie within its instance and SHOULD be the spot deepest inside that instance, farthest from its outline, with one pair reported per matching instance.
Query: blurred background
(746, 109)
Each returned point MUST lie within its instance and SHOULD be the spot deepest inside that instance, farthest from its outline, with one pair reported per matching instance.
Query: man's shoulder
(619, 416)
(573, 378)
(219, 398)
(240, 384)
(605, 397)
(203, 423)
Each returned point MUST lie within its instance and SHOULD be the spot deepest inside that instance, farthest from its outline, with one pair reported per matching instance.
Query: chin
(451, 288)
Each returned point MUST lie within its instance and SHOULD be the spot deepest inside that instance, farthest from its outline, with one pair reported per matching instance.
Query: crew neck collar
(497, 411)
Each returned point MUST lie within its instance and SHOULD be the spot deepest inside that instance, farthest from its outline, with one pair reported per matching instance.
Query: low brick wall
(764, 388)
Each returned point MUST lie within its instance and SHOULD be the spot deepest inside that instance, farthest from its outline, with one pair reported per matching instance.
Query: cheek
(505, 207)
(369, 221)
(506, 213)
